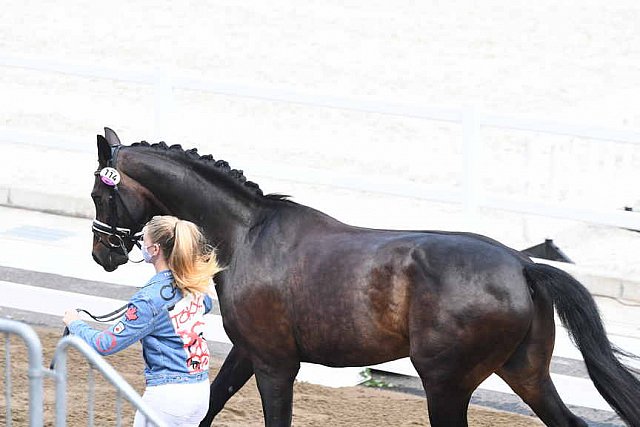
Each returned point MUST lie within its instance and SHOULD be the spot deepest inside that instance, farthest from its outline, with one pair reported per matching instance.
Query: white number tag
(110, 176)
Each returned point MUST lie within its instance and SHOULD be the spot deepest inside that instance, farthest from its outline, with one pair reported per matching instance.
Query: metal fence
(37, 372)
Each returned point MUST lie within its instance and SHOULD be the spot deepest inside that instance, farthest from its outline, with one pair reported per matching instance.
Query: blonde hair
(191, 260)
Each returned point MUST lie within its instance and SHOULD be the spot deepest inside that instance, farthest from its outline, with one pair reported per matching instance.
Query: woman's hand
(69, 316)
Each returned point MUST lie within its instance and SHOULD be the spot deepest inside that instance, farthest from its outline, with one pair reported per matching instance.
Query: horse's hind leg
(275, 384)
(527, 370)
(451, 367)
(541, 395)
(447, 401)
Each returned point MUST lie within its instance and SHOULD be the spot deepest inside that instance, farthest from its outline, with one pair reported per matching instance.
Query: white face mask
(145, 254)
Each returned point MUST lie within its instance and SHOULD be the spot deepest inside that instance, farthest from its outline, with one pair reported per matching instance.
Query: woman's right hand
(70, 315)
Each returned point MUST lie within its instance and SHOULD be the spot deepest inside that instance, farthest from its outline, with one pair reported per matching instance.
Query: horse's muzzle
(109, 259)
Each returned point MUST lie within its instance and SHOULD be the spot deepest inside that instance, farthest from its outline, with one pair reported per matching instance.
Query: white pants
(177, 404)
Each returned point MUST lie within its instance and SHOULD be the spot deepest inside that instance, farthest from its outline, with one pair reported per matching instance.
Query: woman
(167, 316)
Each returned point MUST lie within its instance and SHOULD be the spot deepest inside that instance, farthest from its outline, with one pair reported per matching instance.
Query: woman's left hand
(69, 316)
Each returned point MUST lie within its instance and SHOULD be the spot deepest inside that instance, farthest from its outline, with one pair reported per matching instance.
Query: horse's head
(121, 207)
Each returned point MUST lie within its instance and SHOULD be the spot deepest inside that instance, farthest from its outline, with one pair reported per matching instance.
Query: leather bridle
(110, 234)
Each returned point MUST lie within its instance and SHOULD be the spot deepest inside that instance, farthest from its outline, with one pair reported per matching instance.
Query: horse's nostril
(95, 258)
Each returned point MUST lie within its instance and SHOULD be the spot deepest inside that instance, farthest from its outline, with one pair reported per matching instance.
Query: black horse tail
(579, 314)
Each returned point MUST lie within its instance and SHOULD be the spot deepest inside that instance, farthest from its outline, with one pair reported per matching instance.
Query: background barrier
(472, 124)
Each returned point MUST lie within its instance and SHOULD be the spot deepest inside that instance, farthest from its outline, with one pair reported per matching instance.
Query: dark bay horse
(300, 286)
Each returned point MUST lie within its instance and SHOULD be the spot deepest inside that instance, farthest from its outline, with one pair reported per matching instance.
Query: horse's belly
(356, 360)
(353, 328)
(353, 347)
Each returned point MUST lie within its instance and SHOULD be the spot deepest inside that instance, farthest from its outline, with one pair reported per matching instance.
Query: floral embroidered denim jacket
(170, 326)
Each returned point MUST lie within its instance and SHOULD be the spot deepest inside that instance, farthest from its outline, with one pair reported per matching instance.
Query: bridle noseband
(110, 235)
(115, 236)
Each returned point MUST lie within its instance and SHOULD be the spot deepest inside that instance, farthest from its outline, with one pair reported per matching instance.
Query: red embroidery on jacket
(132, 313)
(196, 347)
(106, 341)
(187, 322)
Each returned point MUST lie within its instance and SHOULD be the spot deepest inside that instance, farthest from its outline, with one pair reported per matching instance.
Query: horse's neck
(225, 211)
(222, 211)
(223, 222)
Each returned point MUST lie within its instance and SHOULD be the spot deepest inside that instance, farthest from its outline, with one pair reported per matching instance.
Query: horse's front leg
(276, 391)
(234, 373)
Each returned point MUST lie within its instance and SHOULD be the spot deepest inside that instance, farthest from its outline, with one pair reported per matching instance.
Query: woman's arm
(135, 324)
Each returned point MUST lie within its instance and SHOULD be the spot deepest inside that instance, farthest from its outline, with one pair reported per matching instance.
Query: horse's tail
(579, 314)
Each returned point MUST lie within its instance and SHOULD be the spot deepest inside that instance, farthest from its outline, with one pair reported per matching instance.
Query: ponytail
(192, 261)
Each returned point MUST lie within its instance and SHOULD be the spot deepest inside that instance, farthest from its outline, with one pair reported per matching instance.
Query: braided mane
(219, 165)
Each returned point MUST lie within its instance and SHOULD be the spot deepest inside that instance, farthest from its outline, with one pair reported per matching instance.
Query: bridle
(109, 234)
(112, 236)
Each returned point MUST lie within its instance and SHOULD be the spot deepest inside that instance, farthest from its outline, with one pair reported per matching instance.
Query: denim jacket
(170, 326)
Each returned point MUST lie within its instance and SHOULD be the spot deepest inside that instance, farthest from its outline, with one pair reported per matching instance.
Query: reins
(100, 318)
(119, 311)
(105, 317)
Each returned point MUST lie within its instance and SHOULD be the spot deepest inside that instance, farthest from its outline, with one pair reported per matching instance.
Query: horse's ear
(111, 137)
(104, 150)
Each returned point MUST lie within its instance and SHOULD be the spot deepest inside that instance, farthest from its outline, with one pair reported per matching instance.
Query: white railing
(123, 388)
(37, 372)
(470, 120)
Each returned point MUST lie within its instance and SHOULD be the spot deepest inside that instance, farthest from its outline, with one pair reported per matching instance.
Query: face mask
(145, 253)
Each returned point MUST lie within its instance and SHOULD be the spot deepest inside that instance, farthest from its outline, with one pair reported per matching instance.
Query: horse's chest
(252, 302)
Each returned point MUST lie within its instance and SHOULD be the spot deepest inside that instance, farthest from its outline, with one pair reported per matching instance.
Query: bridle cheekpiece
(109, 234)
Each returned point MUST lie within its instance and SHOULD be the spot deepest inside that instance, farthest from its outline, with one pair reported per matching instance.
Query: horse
(301, 286)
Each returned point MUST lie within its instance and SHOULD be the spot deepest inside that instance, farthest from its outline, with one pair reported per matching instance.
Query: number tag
(110, 176)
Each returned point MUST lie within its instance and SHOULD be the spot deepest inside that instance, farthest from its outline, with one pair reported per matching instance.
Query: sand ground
(314, 406)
